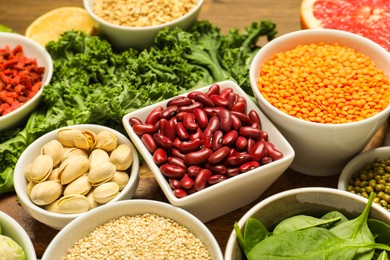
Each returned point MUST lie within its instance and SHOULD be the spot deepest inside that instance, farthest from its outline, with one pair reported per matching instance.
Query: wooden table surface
(18, 14)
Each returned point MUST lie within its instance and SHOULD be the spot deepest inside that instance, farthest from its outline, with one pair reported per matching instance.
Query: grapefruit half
(369, 18)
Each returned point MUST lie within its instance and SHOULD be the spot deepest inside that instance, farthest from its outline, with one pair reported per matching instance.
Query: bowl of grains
(135, 24)
(136, 229)
(369, 172)
(327, 91)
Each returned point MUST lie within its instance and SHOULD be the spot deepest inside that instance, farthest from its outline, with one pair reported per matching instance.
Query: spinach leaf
(334, 214)
(380, 230)
(299, 222)
(254, 232)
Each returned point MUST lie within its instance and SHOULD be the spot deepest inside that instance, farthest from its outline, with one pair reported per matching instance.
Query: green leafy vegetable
(9, 249)
(92, 83)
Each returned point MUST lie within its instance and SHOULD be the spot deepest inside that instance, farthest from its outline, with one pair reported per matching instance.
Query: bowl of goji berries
(25, 68)
(328, 93)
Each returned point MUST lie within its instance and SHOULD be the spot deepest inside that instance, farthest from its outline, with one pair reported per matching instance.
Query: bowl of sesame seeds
(135, 229)
(328, 93)
(135, 23)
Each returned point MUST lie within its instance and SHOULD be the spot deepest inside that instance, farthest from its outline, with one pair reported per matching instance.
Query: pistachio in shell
(101, 173)
(54, 175)
(53, 148)
(97, 156)
(122, 157)
(92, 201)
(46, 192)
(72, 151)
(73, 204)
(81, 185)
(27, 173)
(41, 168)
(72, 168)
(86, 141)
(106, 140)
(30, 185)
(121, 178)
(105, 192)
(67, 136)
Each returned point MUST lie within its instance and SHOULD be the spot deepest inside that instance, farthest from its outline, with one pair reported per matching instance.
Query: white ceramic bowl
(11, 228)
(57, 220)
(123, 37)
(85, 224)
(321, 149)
(233, 193)
(31, 49)
(308, 201)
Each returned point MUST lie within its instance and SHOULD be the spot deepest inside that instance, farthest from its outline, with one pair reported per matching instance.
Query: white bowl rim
(144, 28)
(132, 181)
(313, 32)
(48, 69)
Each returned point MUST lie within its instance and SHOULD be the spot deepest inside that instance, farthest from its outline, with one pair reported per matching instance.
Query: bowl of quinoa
(135, 24)
(327, 91)
(136, 229)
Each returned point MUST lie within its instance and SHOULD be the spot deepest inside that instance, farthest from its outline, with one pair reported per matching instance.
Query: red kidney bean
(179, 101)
(172, 171)
(189, 122)
(256, 125)
(174, 183)
(265, 160)
(141, 129)
(217, 179)
(201, 118)
(272, 152)
(237, 160)
(251, 132)
(207, 140)
(169, 112)
(196, 135)
(180, 115)
(163, 141)
(219, 155)
(161, 125)
(249, 166)
(216, 169)
(160, 156)
(230, 138)
(193, 171)
(217, 140)
(231, 98)
(198, 157)
(170, 129)
(239, 107)
(225, 120)
(154, 116)
(250, 145)
(187, 182)
(231, 172)
(179, 193)
(204, 99)
(259, 150)
(190, 108)
(187, 146)
(135, 120)
(213, 90)
(219, 101)
(236, 122)
(201, 179)
(264, 136)
(175, 152)
(177, 161)
(225, 92)
(192, 94)
(255, 118)
(244, 118)
(213, 124)
(181, 131)
(212, 111)
(148, 141)
(241, 143)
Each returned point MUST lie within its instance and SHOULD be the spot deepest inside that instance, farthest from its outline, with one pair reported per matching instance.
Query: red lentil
(324, 83)
(20, 78)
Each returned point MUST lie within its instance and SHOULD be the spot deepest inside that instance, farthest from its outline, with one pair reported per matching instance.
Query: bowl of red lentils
(25, 68)
(328, 93)
(135, 23)
(136, 229)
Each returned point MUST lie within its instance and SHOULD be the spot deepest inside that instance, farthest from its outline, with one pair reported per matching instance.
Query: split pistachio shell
(46, 192)
(53, 207)
(106, 140)
(105, 192)
(91, 200)
(74, 203)
(101, 173)
(41, 168)
(54, 175)
(72, 151)
(72, 168)
(122, 157)
(97, 156)
(53, 148)
(121, 178)
(81, 185)
(67, 136)
(86, 141)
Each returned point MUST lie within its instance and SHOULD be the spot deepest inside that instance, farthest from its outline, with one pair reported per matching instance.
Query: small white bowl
(31, 49)
(122, 37)
(312, 201)
(85, 224)
(11, 228)
(57, 220)
(233, 193)
(321, 149)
